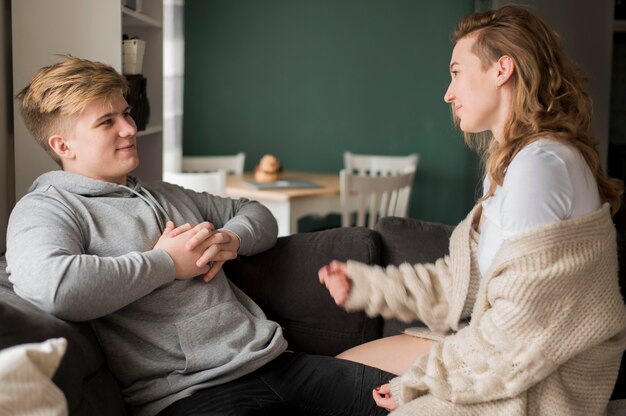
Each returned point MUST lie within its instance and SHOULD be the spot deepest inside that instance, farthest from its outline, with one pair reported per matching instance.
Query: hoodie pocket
(226, 333)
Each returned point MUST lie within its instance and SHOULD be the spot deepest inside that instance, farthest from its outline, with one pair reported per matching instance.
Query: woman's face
(473, 91)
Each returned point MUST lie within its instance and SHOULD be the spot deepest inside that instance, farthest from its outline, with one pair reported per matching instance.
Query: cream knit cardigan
(547, 328)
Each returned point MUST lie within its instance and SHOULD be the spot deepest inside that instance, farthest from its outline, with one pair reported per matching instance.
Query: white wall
(92, 31)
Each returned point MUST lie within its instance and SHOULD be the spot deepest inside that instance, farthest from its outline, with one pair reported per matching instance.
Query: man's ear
(506, 67)
(60, 147)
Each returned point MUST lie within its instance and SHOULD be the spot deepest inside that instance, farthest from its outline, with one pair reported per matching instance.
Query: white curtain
(173, 77)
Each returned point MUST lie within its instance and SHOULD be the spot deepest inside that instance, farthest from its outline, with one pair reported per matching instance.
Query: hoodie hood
(82, 185)
(85, 186)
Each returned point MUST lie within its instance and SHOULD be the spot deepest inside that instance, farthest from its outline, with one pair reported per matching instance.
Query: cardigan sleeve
(407, 292)
(439, 294)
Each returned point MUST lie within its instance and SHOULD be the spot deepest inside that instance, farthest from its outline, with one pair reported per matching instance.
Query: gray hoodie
(82, 249)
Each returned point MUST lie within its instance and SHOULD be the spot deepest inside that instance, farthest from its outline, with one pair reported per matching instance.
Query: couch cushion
(413, 241)
(283, 281)
(87, 384)
(28, 368)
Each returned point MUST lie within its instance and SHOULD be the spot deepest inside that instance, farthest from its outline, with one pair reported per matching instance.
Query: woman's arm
(438, 294)
(407, 292)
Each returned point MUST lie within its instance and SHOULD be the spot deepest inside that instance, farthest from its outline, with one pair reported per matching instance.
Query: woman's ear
(60, 146)
(505, 66)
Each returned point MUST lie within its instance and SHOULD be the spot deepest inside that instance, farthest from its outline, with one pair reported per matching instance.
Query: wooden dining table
(288, 201)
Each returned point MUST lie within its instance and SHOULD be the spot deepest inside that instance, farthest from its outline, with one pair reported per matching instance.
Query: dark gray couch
(283, 281)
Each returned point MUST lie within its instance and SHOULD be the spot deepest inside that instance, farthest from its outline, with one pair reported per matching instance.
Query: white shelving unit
(132, 18)
(90, 29)
(148, 25)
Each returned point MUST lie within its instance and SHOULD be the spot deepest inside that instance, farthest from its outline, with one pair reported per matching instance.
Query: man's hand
(382, 397)
(335, 277)
(221, 245)
(174, 241)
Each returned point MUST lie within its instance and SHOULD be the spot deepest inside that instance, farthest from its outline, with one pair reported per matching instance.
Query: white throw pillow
(26, 388)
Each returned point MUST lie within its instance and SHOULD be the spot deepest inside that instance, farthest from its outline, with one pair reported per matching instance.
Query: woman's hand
(335, 277)
(382, 397)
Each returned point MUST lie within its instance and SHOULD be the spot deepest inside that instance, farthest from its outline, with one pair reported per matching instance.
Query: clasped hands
(335, 277)
(198, 250)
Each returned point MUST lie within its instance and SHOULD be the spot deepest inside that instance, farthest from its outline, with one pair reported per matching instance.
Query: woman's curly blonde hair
(548, 100)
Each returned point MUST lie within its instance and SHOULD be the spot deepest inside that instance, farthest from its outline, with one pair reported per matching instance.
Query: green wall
(308, 79)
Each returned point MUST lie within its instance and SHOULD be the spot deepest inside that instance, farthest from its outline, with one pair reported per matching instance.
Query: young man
(91, 242)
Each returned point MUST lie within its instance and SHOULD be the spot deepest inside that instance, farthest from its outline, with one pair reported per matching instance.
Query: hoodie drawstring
(149, 199)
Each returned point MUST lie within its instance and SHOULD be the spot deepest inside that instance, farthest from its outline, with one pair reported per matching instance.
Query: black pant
(292, 384)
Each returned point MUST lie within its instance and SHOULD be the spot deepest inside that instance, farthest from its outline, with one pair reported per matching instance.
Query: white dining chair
(211, 182)
(378, 165)
(229, 163)
(374, 197)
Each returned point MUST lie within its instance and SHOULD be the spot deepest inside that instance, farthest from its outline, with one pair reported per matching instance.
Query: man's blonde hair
(61, 91)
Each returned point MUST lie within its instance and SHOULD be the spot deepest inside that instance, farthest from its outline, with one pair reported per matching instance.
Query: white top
(546, 182)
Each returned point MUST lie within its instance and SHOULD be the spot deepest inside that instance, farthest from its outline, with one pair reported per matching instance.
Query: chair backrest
(211, 182)
(376, 165)
(374, 197)
(230, 163)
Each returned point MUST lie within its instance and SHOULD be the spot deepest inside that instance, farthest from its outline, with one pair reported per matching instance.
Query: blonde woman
(525, 315)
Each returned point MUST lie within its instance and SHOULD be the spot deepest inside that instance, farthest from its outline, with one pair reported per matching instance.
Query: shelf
(150, 129)
(131, 18)
(619, 25)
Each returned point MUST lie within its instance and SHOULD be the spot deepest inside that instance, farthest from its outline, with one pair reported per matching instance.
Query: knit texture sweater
(547, 328)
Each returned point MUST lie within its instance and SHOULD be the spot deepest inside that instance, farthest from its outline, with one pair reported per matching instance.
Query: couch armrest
(411, 241)
(86, 382)
(283, 281)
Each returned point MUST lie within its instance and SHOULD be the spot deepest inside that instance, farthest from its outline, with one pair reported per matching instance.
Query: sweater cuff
(401, 396)
(359, 290)
(163, 268)
(396, 392)
(233, 233)
(242, 232)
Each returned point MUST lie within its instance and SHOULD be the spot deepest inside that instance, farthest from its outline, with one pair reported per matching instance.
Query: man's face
(102, 143)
